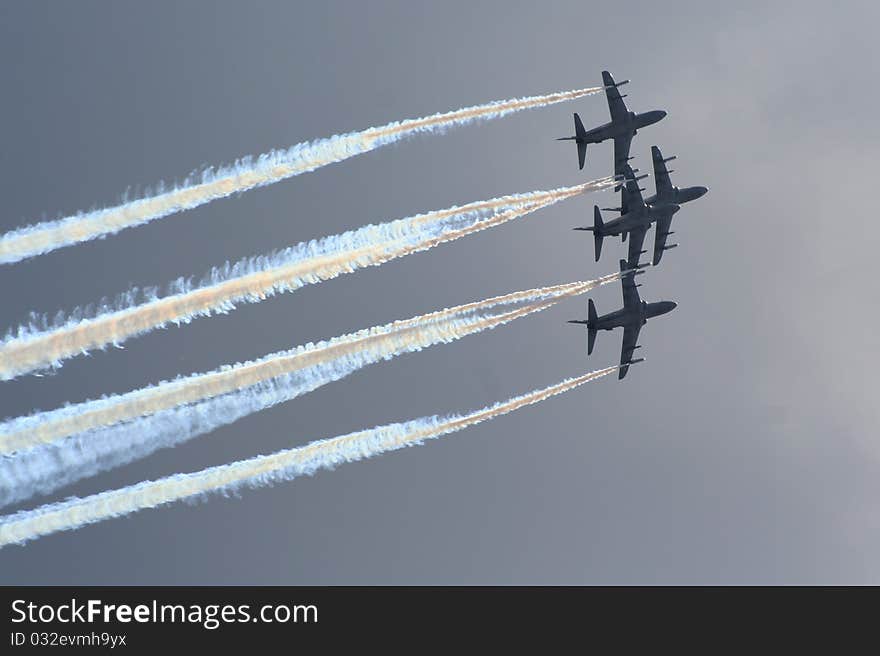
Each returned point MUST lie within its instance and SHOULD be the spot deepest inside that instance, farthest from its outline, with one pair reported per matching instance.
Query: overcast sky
(744, 450)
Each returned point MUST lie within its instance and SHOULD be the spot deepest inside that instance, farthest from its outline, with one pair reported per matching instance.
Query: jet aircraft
(662, 205)
(635, 222)
(631, 317)
(624, 124)
(664, 200)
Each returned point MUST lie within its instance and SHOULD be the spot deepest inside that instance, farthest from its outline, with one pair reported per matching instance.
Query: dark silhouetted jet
(635, 222)
(631, 317)
(663, 202)
(622, 127)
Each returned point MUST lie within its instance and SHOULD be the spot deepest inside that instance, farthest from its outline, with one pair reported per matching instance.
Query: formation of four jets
(636, 216)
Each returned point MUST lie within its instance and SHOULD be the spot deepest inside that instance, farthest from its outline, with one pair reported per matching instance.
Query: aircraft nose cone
(701, 191)
(661, 113)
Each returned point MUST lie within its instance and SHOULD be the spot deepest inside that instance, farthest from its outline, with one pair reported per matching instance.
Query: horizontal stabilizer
(592, 331)
(582, 154)
(579, 130)
(597, 231)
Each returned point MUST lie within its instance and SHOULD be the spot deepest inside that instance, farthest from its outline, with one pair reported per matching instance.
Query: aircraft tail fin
(579, 131)
(580, 134)
(597, 231)
(591, 326)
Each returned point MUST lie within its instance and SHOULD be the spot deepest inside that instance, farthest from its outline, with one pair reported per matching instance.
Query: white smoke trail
(247, 174)
(261, 471)
(223, 397)
(45, 427)
(35, 347)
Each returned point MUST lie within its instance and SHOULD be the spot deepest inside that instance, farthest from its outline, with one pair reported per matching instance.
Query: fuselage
(640, 217)
(638, 315)
(630, 125)
(627, 222)
(677, 196)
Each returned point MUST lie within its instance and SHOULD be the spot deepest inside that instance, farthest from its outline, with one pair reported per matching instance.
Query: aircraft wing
(621, 151)
(636, 241)
(661, 174)
(664, 222)
(630, 339)
(631, 298)
(630, 193)
(616, 106)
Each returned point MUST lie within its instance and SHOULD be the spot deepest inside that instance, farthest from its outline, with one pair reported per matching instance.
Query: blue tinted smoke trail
(261, 471)
(247, 174)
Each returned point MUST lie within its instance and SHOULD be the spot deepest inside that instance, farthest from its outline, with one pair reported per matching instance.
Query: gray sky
(743, 451)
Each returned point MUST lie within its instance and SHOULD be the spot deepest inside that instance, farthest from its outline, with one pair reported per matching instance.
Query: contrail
(162, 417)
(260, 471)
(249, 173)
(30, 348)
